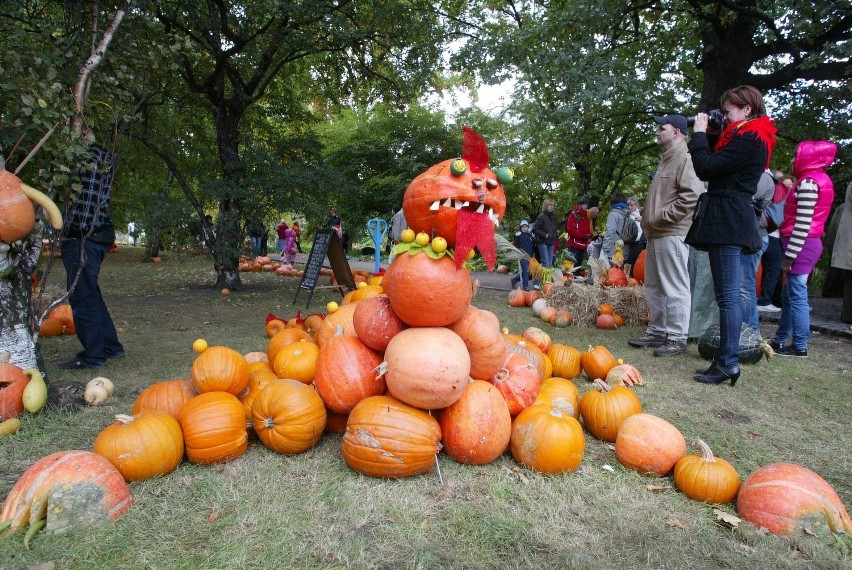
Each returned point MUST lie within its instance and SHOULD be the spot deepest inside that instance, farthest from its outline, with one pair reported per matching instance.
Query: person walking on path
(671, 200)
(282, 238)
(578, 226)
(805, 214)
(545, 233)
(86, 238)
(523, 241)
(297, 235)
(841, 257)
(397, 225)
(724, 223)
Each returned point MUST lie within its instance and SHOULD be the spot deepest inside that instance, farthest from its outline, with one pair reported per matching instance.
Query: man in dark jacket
(524, 241)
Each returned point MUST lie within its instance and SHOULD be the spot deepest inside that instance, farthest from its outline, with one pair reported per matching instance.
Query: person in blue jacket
(524, 241)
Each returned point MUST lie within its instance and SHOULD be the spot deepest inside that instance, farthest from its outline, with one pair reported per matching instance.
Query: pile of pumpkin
(405, 373)
(59, 321)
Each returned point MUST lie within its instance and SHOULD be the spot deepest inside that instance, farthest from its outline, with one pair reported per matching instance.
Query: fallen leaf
(517, 473)
(214, 514)
(727, 518)
(610, 447)
(809, 532)
(608, 468)
(676, 523)
(425, 524)
(657, 488)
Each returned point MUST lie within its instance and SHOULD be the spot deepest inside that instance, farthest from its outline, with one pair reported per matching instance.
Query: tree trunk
(726, 59)
(17, 264)
(229, 235)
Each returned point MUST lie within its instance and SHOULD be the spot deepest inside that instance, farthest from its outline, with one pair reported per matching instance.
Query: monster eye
(477, 182)
(491, 183)
(505, 174)
(458, 167)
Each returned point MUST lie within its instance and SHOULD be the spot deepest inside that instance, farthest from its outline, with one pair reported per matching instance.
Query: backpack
(629, 229)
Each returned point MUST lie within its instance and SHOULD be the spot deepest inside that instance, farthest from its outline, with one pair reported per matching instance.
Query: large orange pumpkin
(375, 323)
(167, 396)
(17, 214)
(480, 331)
(220, 369)
(143, 446)
(346, 372)
(546, 437)
(79, 489)
(476, 428)
(778, 496)
(426, 292)
(460, 200)
(214, 428)
(606, 407)
(427, 367)
(288, 416)
(565, 360)
(387, 438)
(554, 388)
(345, 315)
(649, 445)
(639, 267)
(518, 381)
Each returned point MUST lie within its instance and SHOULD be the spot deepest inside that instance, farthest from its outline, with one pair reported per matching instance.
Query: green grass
(311, 511)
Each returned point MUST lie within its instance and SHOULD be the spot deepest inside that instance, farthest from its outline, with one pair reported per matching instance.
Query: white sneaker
(768, 309)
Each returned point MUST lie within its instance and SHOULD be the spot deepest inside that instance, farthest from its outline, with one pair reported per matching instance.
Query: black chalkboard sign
(326, 244)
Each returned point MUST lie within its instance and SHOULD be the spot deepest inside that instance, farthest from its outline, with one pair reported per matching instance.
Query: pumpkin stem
(604, 387)
(5, 356)
(501, 375)
(124, 419)
(34, 528)
(5, 524)
(380, 369)
(706, 452)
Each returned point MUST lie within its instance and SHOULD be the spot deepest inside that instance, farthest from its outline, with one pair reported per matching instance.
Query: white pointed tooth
(448, 203)
(464, 204)
(435, 205)
(458, 204)
(491, 213)
(481, 209)
(496, 222)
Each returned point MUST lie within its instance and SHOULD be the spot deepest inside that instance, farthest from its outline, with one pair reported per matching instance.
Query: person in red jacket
(579, 229)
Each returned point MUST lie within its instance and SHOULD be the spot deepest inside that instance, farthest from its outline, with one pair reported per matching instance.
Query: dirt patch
(733, 418)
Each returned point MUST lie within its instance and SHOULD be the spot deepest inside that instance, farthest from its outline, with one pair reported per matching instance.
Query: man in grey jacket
(668, 214)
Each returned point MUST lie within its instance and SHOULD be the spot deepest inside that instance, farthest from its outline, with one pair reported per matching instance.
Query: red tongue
(475, 230)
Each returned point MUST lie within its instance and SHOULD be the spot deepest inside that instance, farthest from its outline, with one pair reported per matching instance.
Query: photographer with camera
(724, 223)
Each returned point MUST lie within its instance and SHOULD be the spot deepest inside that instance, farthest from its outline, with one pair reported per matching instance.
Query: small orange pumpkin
(143, 446)
(649, 444)
(221, 369)
(565, 360)
(597, 361)
(288, 416)
(546, 437)
(605, 408)
(706, 478)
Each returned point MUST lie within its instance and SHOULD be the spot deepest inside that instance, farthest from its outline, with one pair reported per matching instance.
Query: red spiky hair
(474, 150)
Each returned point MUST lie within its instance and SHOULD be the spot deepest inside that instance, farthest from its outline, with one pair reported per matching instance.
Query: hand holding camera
(714, 121)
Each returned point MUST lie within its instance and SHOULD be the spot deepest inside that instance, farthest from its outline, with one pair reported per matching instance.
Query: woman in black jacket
(724, 223)
(544, 232)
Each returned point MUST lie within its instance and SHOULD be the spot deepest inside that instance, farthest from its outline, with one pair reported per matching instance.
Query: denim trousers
(726, 266)
(795, 312)
(94, 325)
(545, 252)
(748, 285)
(579, 255)
(523, 276)
(773, 252)
(255, 245)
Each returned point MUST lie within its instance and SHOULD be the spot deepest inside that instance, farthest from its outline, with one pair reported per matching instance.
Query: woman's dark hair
(745, 95)
(616, 198)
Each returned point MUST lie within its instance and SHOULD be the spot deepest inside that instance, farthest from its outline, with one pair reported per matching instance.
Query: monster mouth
(466, 205)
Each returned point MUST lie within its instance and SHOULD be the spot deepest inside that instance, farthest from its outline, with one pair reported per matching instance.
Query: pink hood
(813, 155)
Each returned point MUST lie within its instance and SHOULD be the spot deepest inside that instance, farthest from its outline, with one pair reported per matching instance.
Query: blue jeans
(255, 245)
(726, 266)
(95, 328)
(748, 285)
(523, 276)
(773, 252)
(795, 313)
(545, 252)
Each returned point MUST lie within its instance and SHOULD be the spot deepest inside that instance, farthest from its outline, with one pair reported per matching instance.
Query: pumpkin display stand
(583, 301)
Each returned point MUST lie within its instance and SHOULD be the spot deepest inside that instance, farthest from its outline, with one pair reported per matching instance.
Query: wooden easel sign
(326, 244)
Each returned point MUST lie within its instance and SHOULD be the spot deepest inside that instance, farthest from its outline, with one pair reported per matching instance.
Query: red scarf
(763, 127)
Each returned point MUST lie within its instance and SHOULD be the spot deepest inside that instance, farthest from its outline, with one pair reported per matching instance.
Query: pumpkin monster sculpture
(460, 200)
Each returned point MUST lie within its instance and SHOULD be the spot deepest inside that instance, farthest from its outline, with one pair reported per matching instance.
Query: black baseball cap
(677, 121)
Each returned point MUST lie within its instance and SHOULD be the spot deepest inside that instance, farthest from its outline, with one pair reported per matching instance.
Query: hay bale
(583, 301)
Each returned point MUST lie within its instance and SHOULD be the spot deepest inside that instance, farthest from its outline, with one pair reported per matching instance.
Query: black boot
(716, 375)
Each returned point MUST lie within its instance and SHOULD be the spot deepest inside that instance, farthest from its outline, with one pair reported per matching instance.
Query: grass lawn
(311, 511)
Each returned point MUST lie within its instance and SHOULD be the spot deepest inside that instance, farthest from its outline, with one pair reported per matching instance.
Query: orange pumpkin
(518, 381)
(214, 428)
(519, 345)
(480, 331)
(705, 477)
(476, 428)
(344, 315)
(777, 496)
(597, 361)
(563, 318)
(143, 446)
(275, 326)
(63, 314)
(427, 367)
(649, 445)
(538, 337)
(288, 416)
(554, 388)
(606, 407)
(565, 360)
(82, 489)
(167, 396)
(387, 438)
(12, 384)
(605, 309)
(517, 298)
(282, 339)
(346, 372)
(615, 277)
(546, 437)
(375, 323)
(639, 267)
(17, 214)
(625, 375)
(426, 292)
(50, 327)
(297, 361)
(221, 369)
(605, 321)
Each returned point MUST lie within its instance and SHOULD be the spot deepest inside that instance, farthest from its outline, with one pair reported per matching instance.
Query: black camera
(715, 119)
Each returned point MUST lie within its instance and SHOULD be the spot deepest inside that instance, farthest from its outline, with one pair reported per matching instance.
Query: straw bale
(583, 299)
